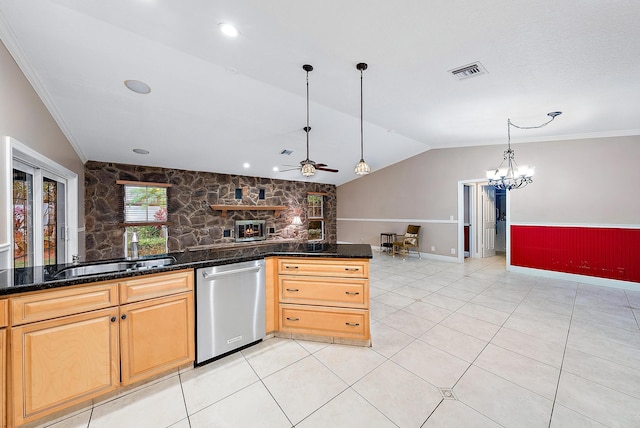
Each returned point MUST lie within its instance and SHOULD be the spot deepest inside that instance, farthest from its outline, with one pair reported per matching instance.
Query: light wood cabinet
(156, 335)
(73, 344)
(271, 293)
(324, 297)
(4, 321)
(64, 361)
(342, 268)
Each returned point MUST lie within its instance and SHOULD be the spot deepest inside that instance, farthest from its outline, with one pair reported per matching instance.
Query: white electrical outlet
(453, 251)
(433, 248)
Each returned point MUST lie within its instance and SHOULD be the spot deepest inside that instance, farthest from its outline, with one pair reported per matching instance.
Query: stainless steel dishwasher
(230, 308)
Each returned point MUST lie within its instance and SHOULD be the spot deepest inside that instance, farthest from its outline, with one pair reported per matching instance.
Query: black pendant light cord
(361, 121)
(307, 68)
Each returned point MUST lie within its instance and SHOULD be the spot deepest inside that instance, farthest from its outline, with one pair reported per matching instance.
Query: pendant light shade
(362, 168)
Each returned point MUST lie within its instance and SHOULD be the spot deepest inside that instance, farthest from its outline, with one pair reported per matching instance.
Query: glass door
(23, 239)
(39, 217)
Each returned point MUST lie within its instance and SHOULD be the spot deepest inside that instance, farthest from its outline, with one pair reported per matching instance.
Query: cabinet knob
(293, 290)
(113, 319)
(352, 293)
(123, 316)
(293, 319)
(354, 324)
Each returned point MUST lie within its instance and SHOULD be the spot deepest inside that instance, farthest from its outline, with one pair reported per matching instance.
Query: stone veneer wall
(192, 221)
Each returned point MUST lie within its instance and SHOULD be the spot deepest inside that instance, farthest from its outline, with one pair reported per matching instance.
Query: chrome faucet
(134, 245)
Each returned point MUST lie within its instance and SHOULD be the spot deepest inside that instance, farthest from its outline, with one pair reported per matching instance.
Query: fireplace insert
(250, 230)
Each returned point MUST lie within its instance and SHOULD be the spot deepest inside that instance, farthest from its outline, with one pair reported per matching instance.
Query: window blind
(145, 204)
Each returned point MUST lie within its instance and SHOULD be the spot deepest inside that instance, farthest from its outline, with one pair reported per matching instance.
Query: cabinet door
(62, 362)
(156, 335)
(3, 375)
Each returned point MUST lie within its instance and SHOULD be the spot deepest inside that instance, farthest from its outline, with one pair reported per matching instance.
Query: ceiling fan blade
(319, 168)
(290, 169)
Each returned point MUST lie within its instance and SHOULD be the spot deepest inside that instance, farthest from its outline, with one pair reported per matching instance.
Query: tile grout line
(564, 352)
(632, 311)
(184, 399)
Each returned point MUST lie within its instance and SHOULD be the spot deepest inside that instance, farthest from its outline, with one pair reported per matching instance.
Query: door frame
(473, 233)
(30, 157)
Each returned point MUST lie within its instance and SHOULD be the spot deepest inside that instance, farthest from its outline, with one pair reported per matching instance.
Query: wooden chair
(409, 241)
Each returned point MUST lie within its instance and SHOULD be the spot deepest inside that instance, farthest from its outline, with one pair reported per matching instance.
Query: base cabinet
(61, 362)
(73, 344)
(155, 336)
(324, 297)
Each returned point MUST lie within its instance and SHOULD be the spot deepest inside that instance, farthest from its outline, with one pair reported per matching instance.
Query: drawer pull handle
(354, 324)
(293, 290)
(291, 267)
(352, 293)
(293, 319)
(352, 269)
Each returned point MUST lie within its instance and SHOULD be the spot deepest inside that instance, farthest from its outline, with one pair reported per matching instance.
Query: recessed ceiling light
(246, 165)
(228, 29)
(276, 169)
(137, 86)
(141, 151)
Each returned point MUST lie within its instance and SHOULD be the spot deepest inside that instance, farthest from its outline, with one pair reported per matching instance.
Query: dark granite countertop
(42, 277)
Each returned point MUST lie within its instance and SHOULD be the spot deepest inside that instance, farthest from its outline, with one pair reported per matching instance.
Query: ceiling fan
(307, 166)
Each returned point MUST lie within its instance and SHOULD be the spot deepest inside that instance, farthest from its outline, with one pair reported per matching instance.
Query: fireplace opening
(250, 230)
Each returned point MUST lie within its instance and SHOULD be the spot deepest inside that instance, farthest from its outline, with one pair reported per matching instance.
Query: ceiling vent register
(467, 71)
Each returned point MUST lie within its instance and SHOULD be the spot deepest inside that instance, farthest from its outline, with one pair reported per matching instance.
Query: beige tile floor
(453, 346)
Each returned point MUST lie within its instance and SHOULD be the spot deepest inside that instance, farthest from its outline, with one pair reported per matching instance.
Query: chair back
(411, 237)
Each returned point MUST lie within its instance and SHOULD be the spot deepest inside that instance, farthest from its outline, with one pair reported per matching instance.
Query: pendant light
(362, 168)
(307, 167)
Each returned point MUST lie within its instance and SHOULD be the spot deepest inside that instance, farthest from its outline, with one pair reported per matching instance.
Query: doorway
(483, 220)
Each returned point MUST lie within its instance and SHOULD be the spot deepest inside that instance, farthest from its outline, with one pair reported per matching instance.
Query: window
(43, 203)
(145, 212)
(315, 214)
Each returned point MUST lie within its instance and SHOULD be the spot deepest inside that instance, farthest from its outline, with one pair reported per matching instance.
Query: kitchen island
(67, 338)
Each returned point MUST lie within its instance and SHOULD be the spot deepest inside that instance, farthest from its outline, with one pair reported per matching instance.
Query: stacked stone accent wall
(192, 222)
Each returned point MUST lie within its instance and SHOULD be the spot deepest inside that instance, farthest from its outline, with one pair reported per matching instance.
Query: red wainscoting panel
(603, 252)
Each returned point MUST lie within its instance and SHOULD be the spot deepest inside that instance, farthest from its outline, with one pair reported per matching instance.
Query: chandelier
(514, 176)
(362, 168)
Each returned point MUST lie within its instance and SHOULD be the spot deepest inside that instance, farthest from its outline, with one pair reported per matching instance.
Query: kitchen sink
(111, 267)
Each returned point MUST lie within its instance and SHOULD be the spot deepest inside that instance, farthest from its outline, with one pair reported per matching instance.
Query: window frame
(313, 218)
(127, 225)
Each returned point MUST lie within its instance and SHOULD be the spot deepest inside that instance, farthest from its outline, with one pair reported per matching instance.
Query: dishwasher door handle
(206, 275)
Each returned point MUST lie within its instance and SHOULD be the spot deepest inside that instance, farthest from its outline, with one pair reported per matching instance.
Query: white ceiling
(218, 102)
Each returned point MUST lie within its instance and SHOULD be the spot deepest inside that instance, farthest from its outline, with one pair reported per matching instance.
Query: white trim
(431, 256)
(584, 225)
(584, 279)
(398, 220)
(29, 156)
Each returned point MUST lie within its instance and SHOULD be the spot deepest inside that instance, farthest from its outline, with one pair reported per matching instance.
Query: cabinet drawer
(58, 303)
(324, 267)
(158, 285)
(346, 292)
(4, 313)
(338, 322)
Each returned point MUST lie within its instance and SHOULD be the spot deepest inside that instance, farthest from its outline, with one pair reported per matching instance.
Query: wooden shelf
(224, 208)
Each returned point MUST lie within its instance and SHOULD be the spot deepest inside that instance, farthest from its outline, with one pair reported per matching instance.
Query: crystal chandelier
(362, 168)
(513, 176)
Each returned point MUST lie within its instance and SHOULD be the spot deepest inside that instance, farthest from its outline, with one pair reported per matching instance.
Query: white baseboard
(430, 256)
(583, 279)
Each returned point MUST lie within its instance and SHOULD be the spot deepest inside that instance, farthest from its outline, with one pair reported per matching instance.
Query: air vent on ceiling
(467, 71)
(286, 152)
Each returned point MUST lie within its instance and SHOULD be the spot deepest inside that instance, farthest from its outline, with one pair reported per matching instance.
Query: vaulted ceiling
(218, 102)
